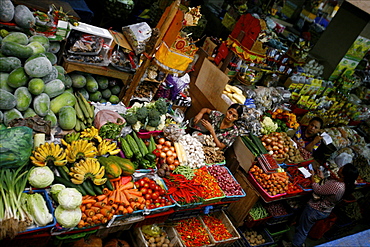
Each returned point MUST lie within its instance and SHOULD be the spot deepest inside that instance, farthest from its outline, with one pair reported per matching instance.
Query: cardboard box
(243, 155)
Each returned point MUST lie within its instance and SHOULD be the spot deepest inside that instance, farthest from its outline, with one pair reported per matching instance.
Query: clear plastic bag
(137, 35)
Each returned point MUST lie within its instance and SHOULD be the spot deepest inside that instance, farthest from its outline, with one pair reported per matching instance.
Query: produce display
(225, 180)
(254, 238)
(155, 235)
(298, 177)
(216, 228)
(192, 232)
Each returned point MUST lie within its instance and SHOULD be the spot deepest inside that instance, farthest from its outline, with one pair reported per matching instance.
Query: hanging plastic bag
(137, 35)
(105, 116)
(16, 146)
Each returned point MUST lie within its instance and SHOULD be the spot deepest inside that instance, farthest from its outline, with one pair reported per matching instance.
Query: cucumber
(152, 145)
(125, 148)
(109, 185)
(88, 188)
(252, 147)
(97, 188)
(62, 172)
(69, 184)
(140, 144)
(258, 143)
(134, 147)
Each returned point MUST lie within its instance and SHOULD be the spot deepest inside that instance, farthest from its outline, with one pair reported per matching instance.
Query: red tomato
(157, 187)
(153, 186)
(155, 195)
(148, 196)
(162, 192)
(163, 200)
(141, 183)
(168, 203)
(146, 185)
(144, 190)
(137, 184)
(157, 201)
(149, 191)
(151, 206)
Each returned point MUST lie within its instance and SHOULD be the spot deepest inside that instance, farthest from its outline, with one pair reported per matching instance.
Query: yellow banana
(99, 181)
(100, 173)
(76, 181)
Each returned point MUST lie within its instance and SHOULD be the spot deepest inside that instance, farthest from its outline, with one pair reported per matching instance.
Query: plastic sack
(105, 116)
(16, 146)
(137, 35)
(177, 84)
(343, 158)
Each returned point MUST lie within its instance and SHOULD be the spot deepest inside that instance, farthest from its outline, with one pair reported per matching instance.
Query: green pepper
(151, 157)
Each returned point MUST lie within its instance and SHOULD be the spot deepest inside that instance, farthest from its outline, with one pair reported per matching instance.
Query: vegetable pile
(192, 232)
(212, 189)
(254, 238)
(184, 191)
(225, 180)
(298, 177)
(156, 236)
(258, 212)
(216, 227)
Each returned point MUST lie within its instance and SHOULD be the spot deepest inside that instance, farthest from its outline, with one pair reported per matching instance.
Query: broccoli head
(154, 122)
(131, 119)
(161, 105)
(142, 114)
(153, 114)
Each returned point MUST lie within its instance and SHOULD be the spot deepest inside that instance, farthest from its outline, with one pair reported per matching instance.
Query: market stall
(98, 139)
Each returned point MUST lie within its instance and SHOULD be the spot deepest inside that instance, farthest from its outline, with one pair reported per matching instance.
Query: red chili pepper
(157, 152)
(192, 232)
(216, 227)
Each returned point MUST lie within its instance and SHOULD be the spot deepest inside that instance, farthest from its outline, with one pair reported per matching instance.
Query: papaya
(6, 10)
(36, 47)
(41, 104)
(17, 37)
(11, 114)
(127, 167)
(54, 47)
(54, 88)
(23, 16)
(96, 97)
(3, 82)
(17, 78)
(91, 84)
(67, 117)
(38, 67)
(65, 99)
(103, 81)
(8, 64)
(7, 100)
(23, 98)
(41, 39)
(52, 57)
(112, 169)
(50, 116)
(78, 80)
(29, 113)
(13, 49)
(51, 76)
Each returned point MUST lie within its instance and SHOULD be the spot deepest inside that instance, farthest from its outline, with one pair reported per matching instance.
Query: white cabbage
(40, 177)
(70, 198)
(68, 218)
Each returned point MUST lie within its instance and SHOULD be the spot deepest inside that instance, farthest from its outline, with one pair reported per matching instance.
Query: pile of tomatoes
(155, 196)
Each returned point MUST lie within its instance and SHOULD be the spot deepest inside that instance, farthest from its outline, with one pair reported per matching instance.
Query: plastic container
(280, 218)
(147, 134)
(250, 222)
(276, 231)
(260, 231)
(266, 196)
(49, 204)
(139, 239)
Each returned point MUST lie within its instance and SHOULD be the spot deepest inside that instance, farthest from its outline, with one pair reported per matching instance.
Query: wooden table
(99, 70)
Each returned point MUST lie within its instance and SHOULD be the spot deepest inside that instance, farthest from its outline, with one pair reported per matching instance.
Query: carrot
(88, 201)
(130, 197)
(118, 198)
(135, 192)
(129, 185)
(89, 212)
(106, 191)
(130, 209)
(88, 219)
(141, 200)
(99, 204)
(101, 197)
(115, 206)
(124, 200)
(81, 224)
(120, 209)
(112, 197)
(133, 205)
(97, 222)
(94, 218)
(83, 208)
(105, 211)
(104, 220)
(100, 216)
(88, 205)
(96, 209)
(83, 216)
(106, 200)
(142, 206)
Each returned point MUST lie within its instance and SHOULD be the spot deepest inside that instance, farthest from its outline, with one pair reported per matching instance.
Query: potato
(153, 245)
(158, 239)
(151, 240)
(167, 241)
(164, 245)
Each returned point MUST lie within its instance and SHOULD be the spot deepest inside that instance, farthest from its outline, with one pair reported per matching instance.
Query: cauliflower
(162, 122)
(137, 126)
(268, 126)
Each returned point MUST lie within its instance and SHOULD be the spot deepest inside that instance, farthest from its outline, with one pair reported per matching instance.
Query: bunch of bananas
(80, 149)
(84, 113)
(88, 169)
(91, 133)
(73, 136)
(47, 154)
(107, 146)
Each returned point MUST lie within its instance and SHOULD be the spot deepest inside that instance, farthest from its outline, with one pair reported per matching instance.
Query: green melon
(96, 97)
(18, 78)
(36, 86)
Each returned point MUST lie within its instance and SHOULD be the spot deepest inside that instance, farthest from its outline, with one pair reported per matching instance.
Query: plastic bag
(137, 35)
(105, 116)
(343, 158)
(16, 146)
(177, 84)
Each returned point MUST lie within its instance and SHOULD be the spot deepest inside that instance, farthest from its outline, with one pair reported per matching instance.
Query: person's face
(231, 115)
(313, 128)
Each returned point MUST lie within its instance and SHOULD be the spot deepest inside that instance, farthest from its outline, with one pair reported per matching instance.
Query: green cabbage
(35, 205)
(40, 177)
(67, 218)
(55, 189)
(70, 198)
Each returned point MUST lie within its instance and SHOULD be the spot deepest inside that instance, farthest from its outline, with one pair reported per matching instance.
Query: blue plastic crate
(49, 204)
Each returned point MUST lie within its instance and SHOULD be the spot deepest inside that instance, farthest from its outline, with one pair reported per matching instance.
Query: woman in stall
(325, 196)
(222, 127)
(308, 138)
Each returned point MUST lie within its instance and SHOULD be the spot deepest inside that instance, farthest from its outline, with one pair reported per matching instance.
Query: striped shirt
(331, 191)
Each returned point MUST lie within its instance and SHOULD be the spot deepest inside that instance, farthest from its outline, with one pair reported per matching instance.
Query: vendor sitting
(221, 126)
(308, 137)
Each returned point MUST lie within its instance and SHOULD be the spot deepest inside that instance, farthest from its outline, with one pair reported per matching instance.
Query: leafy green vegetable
(70, 198)
(68, 218)
(36, 207)
(40, 177)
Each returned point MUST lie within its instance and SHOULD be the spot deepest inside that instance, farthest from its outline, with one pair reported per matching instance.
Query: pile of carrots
(123, 199)
(274, 183)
